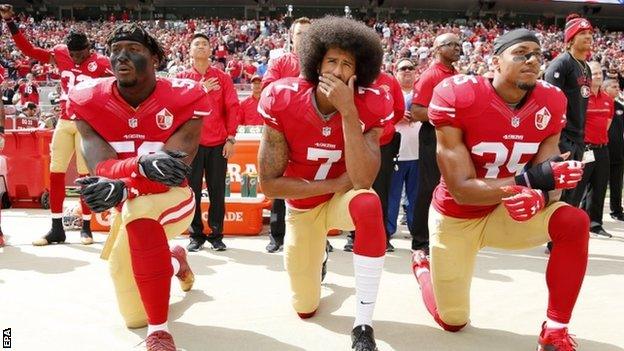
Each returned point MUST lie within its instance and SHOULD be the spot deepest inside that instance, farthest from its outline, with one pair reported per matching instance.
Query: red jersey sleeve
(447, 98)
(79, 97)
(29, 50)
(273, 72)
(399, 101)
(270, 104)
(375, 107)
(423, 90)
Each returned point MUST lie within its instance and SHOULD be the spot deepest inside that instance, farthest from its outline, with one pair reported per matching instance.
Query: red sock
(151, 264)
(370, 235)
(86, 211)
(569, 231)
(57, 193)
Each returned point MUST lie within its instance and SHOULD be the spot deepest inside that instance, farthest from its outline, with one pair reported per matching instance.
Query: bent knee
(569, 223)
(453, 321)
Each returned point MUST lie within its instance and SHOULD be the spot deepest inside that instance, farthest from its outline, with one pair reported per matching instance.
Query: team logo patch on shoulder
(542, 117)
(164, 119)
(92, 66)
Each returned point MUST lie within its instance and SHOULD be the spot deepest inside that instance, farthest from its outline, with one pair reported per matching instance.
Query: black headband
(513, 37)
(130, 33)
(77, 41)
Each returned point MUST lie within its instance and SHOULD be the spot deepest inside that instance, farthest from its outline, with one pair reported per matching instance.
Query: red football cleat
(555, 340)
(420, 263)
(185, 275)
(160, 341)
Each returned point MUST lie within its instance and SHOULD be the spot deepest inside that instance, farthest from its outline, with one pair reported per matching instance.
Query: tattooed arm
(272, 161)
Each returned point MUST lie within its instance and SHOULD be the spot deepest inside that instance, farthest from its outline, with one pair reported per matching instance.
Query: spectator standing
(405, 176)
(616, 150)
(446, 48)
(570, 73)
(29, 90)
(216, 144)
(593, 186)
(249, 115)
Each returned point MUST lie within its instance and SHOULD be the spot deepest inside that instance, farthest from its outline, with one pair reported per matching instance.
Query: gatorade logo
(235, 171)
(228, 217)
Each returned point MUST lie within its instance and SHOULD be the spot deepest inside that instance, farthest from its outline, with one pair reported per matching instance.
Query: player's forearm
(480, 191)
(362, 162)
(29, 50)
(296, 188)
(419, 113)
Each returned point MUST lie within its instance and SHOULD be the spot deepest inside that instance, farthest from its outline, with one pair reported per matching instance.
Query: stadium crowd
(243, 48)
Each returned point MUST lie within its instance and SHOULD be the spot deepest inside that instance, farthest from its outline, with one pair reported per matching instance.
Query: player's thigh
(304, 249)
(338, 215)
(166, 208)
(81, 164)
(454, 246)
(120, 268)
(62, 146)
(501, 231)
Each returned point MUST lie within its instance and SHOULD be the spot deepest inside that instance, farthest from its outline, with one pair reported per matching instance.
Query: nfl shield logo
(164, 119)
(326, 131)
(515, 121)
(133, 122)
(542, 117)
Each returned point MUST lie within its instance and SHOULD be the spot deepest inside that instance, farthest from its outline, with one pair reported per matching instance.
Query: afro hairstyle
(346, 34)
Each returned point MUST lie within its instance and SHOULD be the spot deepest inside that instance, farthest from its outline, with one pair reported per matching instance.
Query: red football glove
(567, 174)
(523, 203)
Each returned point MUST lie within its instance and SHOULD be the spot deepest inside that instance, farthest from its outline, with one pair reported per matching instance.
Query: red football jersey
(132, 132)
(95, 66)
(249, 115)
(284, 66)
(501, 140)
(316, 146)
(600, 110)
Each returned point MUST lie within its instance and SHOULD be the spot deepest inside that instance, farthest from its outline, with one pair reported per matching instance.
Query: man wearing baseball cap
(249, 115)
(570, 73)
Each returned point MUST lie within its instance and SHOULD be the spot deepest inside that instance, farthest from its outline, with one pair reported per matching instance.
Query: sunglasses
(407, 68)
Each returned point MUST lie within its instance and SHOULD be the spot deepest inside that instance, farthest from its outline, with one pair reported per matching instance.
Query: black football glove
(539, 176)
(100, 193)
(165, 167)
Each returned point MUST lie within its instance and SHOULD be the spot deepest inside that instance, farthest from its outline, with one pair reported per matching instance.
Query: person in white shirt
(406, 173)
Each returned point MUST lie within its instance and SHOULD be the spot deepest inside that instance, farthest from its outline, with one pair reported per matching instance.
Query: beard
(526, 85)
(127, 83)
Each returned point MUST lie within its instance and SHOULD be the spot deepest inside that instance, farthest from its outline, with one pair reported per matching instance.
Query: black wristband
(546, 198)
(12, 26)
(523, 179)
(2, 129)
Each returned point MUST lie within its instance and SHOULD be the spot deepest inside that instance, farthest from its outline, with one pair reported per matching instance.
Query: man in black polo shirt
(570, 73)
